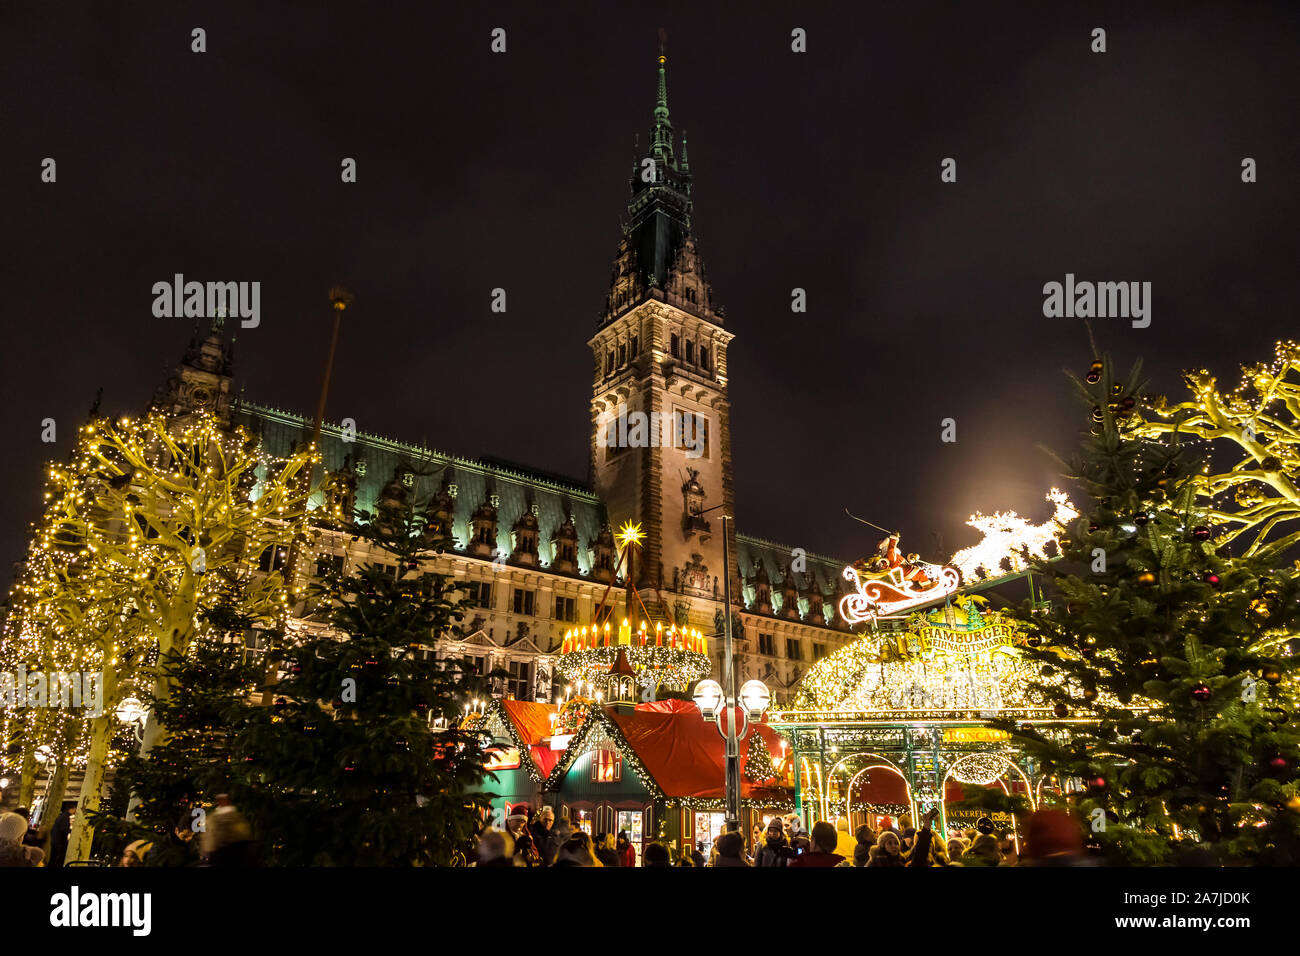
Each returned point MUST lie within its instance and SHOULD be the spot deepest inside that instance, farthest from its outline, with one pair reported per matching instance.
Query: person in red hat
(517, 826)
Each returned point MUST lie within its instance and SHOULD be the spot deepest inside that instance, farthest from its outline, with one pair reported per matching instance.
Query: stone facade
(535, 552)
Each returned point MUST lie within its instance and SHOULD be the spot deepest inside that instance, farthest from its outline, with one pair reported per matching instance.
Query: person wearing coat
(12, 850)
(540, 829)
(559, 835)
(60, 833)
(775, 850)
(823, 848)
(626, 851)
(605, 851)
(888, 850)
(844, 841)
(731, 850)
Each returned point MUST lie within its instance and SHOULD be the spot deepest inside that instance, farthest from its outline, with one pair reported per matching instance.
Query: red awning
(532, 721)
(685, 754)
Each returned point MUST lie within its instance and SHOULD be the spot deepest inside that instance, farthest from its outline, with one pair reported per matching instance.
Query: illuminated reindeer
(1007, 536)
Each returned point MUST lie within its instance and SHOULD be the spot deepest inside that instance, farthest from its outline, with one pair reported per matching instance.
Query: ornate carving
(695, 576)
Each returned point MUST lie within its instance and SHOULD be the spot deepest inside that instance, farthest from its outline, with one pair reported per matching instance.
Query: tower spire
(662, 138)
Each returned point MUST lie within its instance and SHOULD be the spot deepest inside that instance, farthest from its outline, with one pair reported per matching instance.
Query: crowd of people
(218, 837)
(538, 838)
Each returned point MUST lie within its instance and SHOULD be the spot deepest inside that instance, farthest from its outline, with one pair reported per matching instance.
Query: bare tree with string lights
(1248, 489)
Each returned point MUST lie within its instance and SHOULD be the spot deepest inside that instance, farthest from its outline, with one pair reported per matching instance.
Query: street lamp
(132, 711)
(729, 675)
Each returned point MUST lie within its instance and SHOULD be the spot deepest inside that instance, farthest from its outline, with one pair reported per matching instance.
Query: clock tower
(660, 413)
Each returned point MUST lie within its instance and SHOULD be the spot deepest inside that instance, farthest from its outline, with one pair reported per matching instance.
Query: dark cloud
(818, 171)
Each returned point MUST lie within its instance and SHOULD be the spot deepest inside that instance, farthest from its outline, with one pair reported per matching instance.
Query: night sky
(817, 170)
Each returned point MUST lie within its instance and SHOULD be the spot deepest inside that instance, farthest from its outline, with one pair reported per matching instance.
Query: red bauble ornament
(1201, 533)
(1060, 710)
(1202, 693)
(1211, 578)
(1278, 763)
(1094, 373)
(1097, 783)
(1141, 518)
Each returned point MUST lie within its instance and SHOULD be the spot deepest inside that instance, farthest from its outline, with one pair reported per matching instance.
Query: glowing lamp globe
(129, 710)
(755, 697)
(708, 697)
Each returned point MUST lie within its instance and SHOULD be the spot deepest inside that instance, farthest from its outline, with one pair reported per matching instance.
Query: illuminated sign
(502, 758)
(891, 593)
(973, 735)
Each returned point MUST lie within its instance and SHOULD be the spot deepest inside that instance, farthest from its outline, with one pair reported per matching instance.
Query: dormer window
(606, 765)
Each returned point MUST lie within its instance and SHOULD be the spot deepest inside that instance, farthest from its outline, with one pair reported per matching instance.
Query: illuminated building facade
(536, 551)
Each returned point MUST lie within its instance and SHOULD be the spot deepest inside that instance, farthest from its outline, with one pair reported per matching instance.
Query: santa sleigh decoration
(895, 589)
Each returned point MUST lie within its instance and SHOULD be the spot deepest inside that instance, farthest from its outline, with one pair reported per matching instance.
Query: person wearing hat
(775, 851)
(12, 851)
(983, 850)
(135, 853)
(517, 826)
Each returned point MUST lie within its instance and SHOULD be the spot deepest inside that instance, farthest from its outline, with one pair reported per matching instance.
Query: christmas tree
(145, 525)
(1171, 654)
(210, 702)
(758, 762)
(346, 766)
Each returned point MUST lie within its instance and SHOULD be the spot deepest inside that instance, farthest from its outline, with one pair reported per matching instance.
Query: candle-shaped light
(659, 634)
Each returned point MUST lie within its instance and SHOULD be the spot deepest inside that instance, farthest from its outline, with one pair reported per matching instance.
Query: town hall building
(536, 551)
